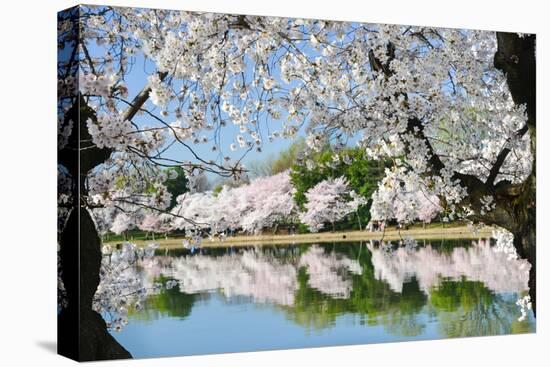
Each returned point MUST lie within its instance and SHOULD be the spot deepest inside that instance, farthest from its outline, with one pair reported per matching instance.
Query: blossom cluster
(263, 202)
(328, 202)
(121, 286)
(404, 197)
(525, 305)
(97, 84)
(505, 243)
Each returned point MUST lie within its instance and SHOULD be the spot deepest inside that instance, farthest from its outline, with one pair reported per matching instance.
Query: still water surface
(312, 295)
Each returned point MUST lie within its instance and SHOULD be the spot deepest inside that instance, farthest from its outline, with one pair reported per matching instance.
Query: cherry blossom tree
(122, 223)
(429, 207)
(347, 77)
(153, 223)
(328, 202)
(271, 201)
(262, 203)
(199, 207)
(453, 109)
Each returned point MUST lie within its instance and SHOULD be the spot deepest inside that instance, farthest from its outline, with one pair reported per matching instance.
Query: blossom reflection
(388, 283)
(429, 266)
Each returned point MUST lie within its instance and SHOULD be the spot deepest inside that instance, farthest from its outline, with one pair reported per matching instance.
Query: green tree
(176, 186)
(362, 174)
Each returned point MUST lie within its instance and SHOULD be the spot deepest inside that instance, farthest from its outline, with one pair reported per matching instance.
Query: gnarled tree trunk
(82, 332)
(524, 230)
(81, 262)
(516, 57)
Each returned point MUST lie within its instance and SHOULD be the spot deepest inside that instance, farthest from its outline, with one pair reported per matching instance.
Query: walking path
(459, 232)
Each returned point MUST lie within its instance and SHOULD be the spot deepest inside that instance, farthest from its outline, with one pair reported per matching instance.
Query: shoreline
(392, 234)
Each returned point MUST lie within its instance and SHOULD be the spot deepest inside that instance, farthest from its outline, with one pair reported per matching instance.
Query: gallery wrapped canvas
(232, 183)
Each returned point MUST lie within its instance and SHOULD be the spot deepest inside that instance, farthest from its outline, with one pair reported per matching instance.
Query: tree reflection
(469, 290)
(468, 308)
(370, 299)
(169, 302)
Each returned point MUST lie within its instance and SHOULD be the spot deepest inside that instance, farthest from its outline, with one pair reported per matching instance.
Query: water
(313, 295)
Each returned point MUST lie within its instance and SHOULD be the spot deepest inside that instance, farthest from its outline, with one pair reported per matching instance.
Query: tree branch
(140, 99)
(516, 58)
(495, 170)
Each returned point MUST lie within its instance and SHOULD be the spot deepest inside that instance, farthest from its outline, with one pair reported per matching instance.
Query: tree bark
(516, 57)
(81, 261)
(82, 332)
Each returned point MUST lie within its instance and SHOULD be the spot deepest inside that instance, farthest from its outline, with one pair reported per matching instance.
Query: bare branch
(140, 99)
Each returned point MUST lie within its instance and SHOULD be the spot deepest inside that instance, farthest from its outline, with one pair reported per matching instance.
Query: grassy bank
(436, 231)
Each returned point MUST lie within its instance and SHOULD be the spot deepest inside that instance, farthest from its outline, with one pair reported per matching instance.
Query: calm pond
(312, 295)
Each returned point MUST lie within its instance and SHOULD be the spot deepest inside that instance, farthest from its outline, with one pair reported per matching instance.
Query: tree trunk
(526, 240)
(82, 332)
(516, 57)
(274, 232)
(525, 232)
(515, 211)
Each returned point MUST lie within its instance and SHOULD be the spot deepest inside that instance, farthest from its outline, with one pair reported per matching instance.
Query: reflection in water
(323, 269)
(428, 265)
(250, 273)
(347, 293)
